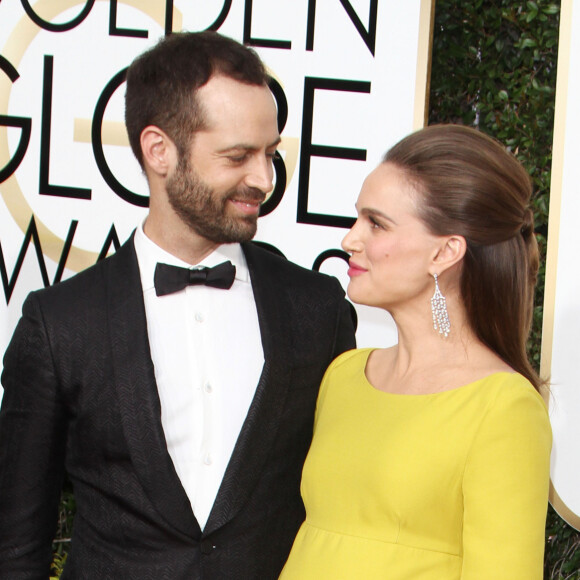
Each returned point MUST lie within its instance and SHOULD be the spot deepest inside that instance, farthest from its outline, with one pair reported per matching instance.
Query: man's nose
(261, 174)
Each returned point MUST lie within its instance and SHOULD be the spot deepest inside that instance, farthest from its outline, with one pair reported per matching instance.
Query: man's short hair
(163, 81)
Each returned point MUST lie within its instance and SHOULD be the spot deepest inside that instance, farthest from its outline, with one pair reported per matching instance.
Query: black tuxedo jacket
(80, 395)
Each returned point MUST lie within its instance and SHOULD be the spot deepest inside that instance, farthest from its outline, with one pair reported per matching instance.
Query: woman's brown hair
(470, 185)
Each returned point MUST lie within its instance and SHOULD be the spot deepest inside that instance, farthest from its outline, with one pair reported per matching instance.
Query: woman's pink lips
(354, 270)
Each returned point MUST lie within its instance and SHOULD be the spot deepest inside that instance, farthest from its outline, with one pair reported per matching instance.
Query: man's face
(218, 188)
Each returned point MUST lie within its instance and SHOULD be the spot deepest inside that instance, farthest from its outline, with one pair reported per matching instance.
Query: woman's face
(391, 249)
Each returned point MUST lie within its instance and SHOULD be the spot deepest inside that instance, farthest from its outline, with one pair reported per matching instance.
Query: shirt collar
(149, 254)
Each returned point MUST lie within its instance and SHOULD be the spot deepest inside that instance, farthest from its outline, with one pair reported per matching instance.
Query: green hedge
(494, 67)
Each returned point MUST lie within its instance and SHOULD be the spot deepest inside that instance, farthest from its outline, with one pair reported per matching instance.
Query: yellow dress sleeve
(336, 363)
(505, 488)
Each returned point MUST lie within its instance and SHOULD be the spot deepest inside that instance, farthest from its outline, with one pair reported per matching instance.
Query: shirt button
(207, 460)
(208, 388)
(198, 317)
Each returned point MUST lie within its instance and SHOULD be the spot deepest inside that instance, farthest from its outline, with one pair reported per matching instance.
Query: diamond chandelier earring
(439, 310)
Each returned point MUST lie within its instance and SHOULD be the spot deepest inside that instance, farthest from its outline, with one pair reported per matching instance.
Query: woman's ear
(159, 152)
(450, 252)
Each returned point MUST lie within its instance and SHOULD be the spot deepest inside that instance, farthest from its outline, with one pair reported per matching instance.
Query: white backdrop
(561, 330)
(353, 78)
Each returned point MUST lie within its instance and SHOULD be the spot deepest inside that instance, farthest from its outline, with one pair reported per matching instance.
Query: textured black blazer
(80, 395)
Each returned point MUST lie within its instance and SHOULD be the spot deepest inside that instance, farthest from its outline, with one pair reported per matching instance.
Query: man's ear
(450, 252)
(159, 152)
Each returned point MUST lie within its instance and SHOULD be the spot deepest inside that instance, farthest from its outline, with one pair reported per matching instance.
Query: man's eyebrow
(249, 147)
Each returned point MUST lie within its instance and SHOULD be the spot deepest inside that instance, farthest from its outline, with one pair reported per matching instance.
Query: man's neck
(179, 241)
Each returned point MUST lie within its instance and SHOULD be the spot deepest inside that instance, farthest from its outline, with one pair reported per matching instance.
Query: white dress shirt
(207, 352)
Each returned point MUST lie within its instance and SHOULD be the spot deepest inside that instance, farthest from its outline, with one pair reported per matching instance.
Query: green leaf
(527, 43)
(551, 9)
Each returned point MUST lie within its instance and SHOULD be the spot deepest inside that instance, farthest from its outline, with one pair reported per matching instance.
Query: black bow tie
(169, 279)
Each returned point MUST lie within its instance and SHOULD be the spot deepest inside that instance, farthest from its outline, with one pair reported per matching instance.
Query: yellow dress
(445, 486)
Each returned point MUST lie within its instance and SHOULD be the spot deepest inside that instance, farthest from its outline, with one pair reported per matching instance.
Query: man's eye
(237, 158)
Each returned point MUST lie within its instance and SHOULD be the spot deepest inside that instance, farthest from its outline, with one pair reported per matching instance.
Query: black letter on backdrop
(32, 235)
(8, 68)
(96, 138)
(168, 17)
(222, 16)
(114, 31)
(215, 26)
(57, 27)
(369, 36)
(112, 238)
(44, 187)
(265, 42)
(23, 123)
(308, 149)
(279, 166)
(329, 254)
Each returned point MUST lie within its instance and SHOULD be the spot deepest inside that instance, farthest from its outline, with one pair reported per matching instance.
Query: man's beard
(204, 210)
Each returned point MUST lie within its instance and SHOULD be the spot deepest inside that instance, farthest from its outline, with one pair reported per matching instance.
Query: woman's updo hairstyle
(470, 185)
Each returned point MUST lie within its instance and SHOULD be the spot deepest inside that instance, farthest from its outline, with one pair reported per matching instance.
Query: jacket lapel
(137, 393)
(252, 447)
